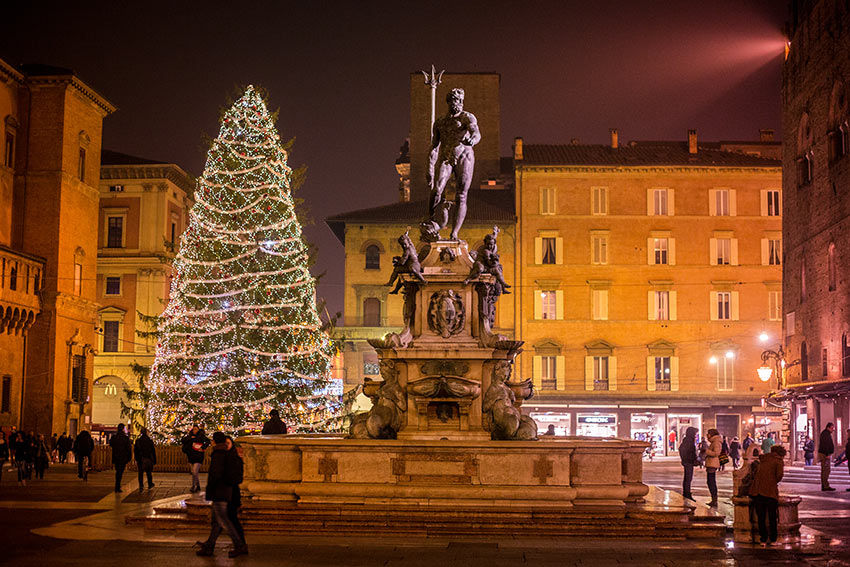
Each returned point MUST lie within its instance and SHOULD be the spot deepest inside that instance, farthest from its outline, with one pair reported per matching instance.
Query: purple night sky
(338, 72)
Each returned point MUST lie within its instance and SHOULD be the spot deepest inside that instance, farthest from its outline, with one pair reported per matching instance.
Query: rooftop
(111, 157)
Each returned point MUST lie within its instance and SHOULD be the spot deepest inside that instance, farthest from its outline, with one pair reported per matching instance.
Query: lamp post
(765, 372)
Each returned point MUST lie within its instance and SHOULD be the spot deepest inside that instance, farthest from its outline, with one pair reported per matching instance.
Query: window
(599, 200)
(662, 373)
(771, 251)
(371, 366)
(662, 305)
(9, 151)
(547, 200)
(110, 336)
(599, 304)
(599, 248)
(79, 383)
(725, 367)
(771, 203)
(13, 276)
(549, 304)
(373, 257)
(724, 305)
(6, 395)
(831, 269)
(802, 280)
(774, 305)
(78, 279)
(824, 362)
(548, 372)
(36, 281)
(805, 168)
(659, 202)
(724, 251)
(371, 312)
(549, 250)
(721, 202)
(116, 188)
(173, 232)
(804, 361)
(81, 170)
(845, 356)
(113, 285)
(115, 232)
(660, 249)
(600, 373)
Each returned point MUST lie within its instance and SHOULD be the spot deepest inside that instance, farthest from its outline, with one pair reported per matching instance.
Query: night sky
(338, 72)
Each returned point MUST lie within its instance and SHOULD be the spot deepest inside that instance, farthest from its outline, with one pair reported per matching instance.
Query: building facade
(52, 136)
(650, 273)
(816, 186)
(144, 208)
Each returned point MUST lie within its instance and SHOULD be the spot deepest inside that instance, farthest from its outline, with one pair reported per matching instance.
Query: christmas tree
(240, 334)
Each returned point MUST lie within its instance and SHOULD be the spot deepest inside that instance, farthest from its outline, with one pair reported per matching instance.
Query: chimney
(518, 148)
(692, 141)
(766, 135)
(574, 141)
(615, 143)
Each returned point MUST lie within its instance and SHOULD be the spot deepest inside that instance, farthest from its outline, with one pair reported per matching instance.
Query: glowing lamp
(765, 372)
(730, 354)
(713, 360)
(763, 337)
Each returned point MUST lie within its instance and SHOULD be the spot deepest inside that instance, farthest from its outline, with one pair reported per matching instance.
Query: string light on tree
(240, 333)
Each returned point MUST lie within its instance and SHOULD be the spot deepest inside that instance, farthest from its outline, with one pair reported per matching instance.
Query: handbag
(724, 458)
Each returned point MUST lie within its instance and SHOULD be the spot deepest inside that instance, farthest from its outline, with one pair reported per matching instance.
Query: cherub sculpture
(487, 262)
(407, 263)
(387, 414)
(501, 418)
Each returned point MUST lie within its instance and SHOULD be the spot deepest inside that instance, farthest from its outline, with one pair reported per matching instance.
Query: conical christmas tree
(240, 334)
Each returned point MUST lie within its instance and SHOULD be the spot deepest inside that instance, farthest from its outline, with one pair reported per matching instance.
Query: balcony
(20, 281)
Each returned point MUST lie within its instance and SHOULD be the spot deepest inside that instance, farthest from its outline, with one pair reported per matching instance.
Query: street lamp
(765, 371)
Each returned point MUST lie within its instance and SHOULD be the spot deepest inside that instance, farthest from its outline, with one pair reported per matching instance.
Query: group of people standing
(29, 452)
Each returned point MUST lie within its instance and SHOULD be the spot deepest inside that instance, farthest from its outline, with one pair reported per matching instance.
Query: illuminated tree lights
(240, 334)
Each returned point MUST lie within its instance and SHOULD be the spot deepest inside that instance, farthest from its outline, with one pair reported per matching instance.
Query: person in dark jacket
(275, 425)
(235, 470)
(219, 492)
(765, 493)
(21, 448)
(735, 452)
(825, 449)
(145, 454)
(41, 457)
(688, 456)
(809, 450)
(194, 445)
(64, 443)
(4, 452)
(82, 448)
(122, 452)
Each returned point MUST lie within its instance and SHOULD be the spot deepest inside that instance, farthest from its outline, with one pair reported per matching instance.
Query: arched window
(839, 130)
(373, 257)
(845, 356)
(805, 161)
(831, 266)
(804, 361)
(371, 312)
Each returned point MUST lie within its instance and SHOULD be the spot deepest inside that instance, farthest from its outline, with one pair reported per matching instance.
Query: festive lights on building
(240, 334)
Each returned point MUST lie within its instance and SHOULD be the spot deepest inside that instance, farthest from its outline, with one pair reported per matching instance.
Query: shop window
(373, 257)
(596, 424)
(110, 336)
(804, 361)
(371, 312)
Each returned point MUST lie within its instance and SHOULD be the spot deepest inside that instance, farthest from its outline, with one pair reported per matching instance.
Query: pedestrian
(145, 453)
(4, 452)
(809, 450)
(54, 448)
(31, 440)
(748, 440)
(83, 447)
(122, 452)
(21, 448)
(765, 493)
(688, 456)
(194, 445)
(767, 443)
(275, 425)
(724, 452)
(235, 472)
(847, 453)
(825, 449)
(703, 447)
(41, 457)
(671, 439)
(549, 430)
(735, 452)
(712, 463)
(219, 492)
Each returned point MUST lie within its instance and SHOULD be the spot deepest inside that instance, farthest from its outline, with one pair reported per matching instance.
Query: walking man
(688, 456)
(145, 453)
(83, 447)
(826, 448)
(194, 445)
(122, 452)
(219, 492)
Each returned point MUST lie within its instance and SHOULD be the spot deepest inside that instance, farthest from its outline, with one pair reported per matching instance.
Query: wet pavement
(64, 521)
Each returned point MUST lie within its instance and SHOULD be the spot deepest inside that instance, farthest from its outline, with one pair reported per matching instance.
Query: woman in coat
(765, 493)
(735, 452)
(712, 463)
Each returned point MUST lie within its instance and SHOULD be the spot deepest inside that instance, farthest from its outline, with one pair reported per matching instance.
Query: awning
(829, 389)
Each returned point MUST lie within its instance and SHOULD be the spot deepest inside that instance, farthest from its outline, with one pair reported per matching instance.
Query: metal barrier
(169, 458)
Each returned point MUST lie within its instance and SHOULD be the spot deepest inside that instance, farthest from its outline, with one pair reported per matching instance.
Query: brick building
(816, 186)
(647, 272)
(144, 208)
(48, 245)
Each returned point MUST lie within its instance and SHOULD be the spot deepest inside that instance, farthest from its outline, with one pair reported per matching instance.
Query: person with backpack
(688, 456)
(194, 445)
(219, 492)
(145, 453)
(765, 493)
